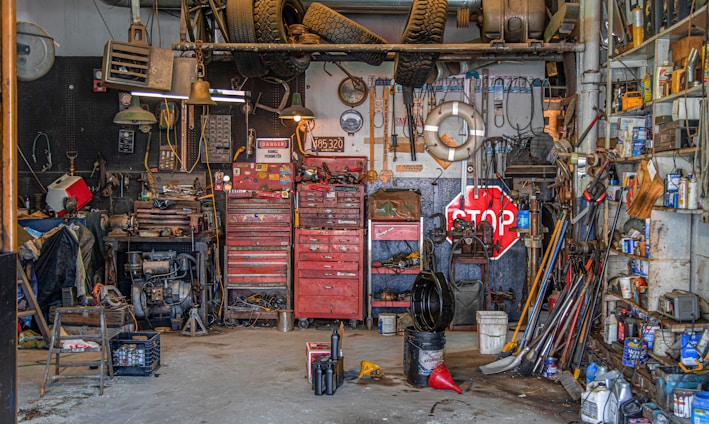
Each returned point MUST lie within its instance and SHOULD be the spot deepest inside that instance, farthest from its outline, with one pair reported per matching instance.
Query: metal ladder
(56, 349)
(24, 282)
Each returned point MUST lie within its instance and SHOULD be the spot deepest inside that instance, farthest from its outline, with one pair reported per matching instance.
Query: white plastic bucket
(492, 331)
(626, 288)
(387, 324)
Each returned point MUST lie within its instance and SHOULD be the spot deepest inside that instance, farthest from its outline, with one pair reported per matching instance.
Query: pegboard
(63, 105)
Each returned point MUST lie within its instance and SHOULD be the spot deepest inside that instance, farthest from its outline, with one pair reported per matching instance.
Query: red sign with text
(490, 204)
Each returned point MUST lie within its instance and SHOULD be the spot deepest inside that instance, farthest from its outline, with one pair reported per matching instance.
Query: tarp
(56, 268)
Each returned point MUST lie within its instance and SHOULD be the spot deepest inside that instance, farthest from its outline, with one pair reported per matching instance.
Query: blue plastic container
(700, 408)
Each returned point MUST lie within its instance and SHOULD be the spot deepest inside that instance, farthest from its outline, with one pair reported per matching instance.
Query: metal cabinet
(329, 276)
(258, 251)
(389, 232)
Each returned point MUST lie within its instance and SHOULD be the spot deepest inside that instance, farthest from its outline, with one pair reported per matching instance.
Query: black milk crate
(135, 353)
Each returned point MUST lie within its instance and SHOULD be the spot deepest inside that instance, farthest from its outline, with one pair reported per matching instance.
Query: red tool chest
(329, 274)
(331, 206)
(258, 251)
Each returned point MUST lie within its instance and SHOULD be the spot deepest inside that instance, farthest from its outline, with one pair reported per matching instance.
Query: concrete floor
(257, 375)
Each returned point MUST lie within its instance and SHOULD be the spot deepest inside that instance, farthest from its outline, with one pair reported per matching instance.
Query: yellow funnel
(370, 369)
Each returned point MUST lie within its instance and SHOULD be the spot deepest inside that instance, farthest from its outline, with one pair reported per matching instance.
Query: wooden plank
(568, 13)
(114, 318)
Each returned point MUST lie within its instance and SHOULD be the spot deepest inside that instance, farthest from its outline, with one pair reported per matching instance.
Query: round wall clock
(352, 91)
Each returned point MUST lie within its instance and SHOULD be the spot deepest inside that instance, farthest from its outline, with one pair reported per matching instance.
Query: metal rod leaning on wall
(8, 107)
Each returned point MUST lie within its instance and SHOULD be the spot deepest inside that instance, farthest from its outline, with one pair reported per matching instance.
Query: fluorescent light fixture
(217, 94)
(159, 95)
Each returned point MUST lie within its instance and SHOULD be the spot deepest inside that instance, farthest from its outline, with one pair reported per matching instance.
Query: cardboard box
(314, 350)
(680, 49)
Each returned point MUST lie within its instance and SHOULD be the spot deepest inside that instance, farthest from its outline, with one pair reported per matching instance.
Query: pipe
(459, 48)
(342, 6)
(8, 73)
(590, 71)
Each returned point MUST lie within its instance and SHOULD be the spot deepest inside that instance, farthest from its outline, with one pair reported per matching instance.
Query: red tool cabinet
(329, 243)
(329, 274)
(257, 252)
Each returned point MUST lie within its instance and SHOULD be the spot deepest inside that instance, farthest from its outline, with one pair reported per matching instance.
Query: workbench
(201, 244)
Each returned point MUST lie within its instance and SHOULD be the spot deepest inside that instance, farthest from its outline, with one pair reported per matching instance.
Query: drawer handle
(327, 274)
(328, 266)
(327, 287)
(328, 257)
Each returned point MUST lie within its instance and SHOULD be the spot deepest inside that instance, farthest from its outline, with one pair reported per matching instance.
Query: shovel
(512, 344)
(504, 364)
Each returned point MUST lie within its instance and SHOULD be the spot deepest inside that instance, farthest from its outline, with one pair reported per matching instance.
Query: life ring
(476, 131)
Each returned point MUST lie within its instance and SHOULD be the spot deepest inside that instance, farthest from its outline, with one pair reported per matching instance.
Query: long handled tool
(394, 135)
(371, 174)
(531, 325)
(583, 338)
(512, 344)
(409, 103)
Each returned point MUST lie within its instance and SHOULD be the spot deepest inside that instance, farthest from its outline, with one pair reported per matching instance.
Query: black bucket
(423, 351)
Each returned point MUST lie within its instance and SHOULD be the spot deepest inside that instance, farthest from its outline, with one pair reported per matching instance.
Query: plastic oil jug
(620, 394)
(610, 329)
(593, 404)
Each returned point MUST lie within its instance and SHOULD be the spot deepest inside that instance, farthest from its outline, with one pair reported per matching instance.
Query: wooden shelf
(675, 210)
(673, 33)
(678, 152)
(666, 322)
(628, 255)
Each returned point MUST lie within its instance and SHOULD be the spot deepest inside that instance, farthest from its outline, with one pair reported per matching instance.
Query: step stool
(56, 349)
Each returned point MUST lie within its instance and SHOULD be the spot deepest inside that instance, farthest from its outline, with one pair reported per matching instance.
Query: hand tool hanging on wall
(409, 103)
(386, 173)
(394, 135)
(371, 174)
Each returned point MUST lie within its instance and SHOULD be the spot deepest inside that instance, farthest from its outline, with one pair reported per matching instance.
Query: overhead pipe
(342, 6)
(459, 48)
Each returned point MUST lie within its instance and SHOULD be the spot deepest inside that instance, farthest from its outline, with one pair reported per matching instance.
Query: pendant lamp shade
(134, 114)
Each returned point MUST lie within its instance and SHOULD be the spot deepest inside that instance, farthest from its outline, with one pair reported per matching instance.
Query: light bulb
(296, 118)
(227, 178)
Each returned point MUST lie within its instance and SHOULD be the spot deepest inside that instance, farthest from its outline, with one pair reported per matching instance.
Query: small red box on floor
(314, 350)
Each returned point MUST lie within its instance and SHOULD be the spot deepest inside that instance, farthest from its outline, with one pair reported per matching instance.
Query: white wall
(78, 25)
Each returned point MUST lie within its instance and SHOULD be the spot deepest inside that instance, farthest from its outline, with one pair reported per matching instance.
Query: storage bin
(135, 353)
(492, 331)
(667, 379)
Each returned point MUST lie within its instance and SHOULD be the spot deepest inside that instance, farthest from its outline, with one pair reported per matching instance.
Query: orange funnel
(441, 379)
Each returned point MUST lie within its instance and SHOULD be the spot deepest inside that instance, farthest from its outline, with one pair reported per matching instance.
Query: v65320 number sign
(329, 144)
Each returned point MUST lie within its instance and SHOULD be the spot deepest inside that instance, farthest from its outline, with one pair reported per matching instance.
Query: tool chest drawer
(395, 230)
(329, 273)
(331, 206)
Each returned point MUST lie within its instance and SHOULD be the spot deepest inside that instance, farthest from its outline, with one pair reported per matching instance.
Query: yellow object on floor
(370, 369)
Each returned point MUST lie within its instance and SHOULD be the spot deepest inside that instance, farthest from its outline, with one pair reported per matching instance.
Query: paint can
(387, 324)
(285, 320)
(664, 339)
(551, 367)
(700, 408)
(682, 399)
(423, 352)
(634, 352)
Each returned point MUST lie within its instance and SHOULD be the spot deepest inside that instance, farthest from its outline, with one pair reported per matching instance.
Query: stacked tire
(337, 29)
(425, 25)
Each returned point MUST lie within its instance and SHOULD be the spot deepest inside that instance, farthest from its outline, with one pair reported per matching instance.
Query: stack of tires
(268, 21)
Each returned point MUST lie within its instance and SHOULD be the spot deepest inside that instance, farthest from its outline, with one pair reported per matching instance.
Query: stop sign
(491, 204)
